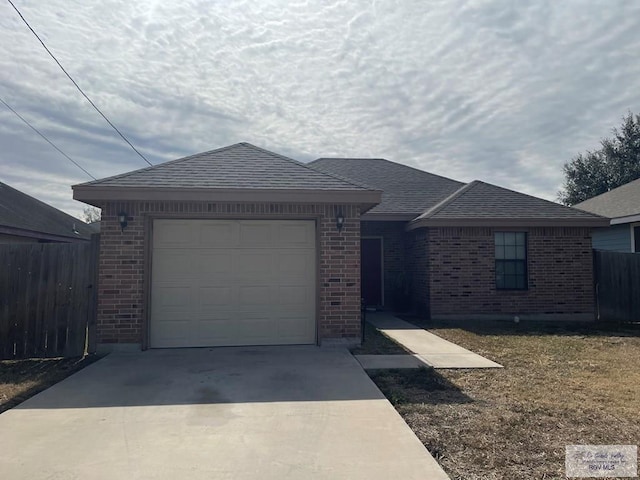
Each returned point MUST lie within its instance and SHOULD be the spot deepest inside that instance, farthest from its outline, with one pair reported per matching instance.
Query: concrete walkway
(428, 349)
(268, 413)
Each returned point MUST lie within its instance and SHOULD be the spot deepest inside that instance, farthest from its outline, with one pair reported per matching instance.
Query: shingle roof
(21, 212)
(405, 190)
(478, 201)
(623, 201)
(239, 166)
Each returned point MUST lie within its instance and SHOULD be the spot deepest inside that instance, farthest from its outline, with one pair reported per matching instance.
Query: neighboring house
(241, 246)
(24, 219)
(622, 206)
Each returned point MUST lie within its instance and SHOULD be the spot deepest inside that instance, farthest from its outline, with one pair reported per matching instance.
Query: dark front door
(371, 270)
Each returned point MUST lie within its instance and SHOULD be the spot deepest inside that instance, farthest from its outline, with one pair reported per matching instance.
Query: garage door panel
(173, 233)
(254, 265)
(173, 264)
(256, 329)
(255, 295)
(222, 234)
(173, 296)
(297, 263)
(294, 327)
(222, 296)
(296, 235)
(216, 331)
(294, 295)
(233, 283)
(254, 234)
(212, 263)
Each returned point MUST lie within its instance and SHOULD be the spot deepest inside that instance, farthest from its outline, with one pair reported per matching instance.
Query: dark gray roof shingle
(405, 190)
(478, 200)
(239, 166)
(623, 201)
(20, 211)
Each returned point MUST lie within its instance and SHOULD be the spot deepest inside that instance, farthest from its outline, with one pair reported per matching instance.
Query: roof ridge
(307, 166)
(446, 201)
(395, 163)
(168, 162)
(344, 179)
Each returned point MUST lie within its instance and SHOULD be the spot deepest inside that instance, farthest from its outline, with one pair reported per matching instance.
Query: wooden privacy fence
(48, 299)
(617, 283)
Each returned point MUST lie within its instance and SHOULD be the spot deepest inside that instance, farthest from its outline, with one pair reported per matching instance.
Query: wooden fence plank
(50, 303)
(617, 282)
(30, 300)
(6, 347)
(17, 300)
(40, 314)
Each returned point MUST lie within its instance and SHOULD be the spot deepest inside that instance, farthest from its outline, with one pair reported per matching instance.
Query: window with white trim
(511, 260)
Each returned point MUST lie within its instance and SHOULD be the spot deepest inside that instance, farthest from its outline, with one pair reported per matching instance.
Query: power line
(48, 141)
(77, 86)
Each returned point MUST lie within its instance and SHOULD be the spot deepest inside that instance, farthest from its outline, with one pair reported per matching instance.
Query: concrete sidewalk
(428, 349)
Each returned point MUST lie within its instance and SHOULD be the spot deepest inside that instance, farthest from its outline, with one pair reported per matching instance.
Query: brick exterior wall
(123, 259)
(393, 253)
(462, 273)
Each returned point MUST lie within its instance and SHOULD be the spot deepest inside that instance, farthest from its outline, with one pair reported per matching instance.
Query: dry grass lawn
(560, 386)
(21, 379)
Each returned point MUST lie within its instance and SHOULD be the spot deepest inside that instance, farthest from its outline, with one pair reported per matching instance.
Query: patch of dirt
(21, 379)
(560, 386)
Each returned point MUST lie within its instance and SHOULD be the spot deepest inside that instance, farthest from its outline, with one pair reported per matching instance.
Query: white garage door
(232, 282)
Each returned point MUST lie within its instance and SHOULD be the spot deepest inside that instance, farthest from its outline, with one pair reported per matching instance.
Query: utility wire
(77, 86)
(48, 141)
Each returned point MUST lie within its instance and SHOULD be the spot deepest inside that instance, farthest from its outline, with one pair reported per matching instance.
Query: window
(636, 239)
(511, 260)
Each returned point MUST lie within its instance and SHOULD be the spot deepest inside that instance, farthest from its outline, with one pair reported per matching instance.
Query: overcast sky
(501, 91)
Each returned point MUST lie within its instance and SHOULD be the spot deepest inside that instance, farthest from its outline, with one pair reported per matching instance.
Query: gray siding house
(622, 206)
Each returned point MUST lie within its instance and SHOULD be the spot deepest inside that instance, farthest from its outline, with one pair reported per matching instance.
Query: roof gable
(623, 201)
(406, 191)
(21, 212)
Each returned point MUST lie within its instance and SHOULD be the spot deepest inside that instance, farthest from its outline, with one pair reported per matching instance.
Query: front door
(371, 271)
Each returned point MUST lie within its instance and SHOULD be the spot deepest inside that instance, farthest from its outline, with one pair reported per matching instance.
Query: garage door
(232, 282)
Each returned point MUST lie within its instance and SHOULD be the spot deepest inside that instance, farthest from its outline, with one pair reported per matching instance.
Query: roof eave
(98, 195)
(21, 232)
(626, 219)
(508, 222)
(387, 217)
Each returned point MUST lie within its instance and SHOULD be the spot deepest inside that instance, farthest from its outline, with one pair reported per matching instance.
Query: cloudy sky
(497, 90)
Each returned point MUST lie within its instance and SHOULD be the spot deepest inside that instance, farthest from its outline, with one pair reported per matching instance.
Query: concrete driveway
(226, 413)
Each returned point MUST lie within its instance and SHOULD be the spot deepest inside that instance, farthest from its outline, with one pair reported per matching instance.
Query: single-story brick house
(622, 206)
(241, 246)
